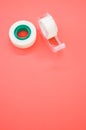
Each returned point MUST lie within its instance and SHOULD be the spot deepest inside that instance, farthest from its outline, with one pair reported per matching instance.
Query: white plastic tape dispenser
(50, 30)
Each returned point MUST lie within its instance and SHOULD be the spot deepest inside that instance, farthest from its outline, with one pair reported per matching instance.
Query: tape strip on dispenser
(49, 30)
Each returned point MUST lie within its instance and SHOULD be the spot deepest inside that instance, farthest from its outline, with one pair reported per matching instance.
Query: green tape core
(22, 28)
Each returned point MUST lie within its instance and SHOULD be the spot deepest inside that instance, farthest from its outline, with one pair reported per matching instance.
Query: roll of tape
(26, 41)
(48, 26)
(50, 30)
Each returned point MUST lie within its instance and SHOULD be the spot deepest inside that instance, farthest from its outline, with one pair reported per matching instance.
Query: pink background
(40, 90)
